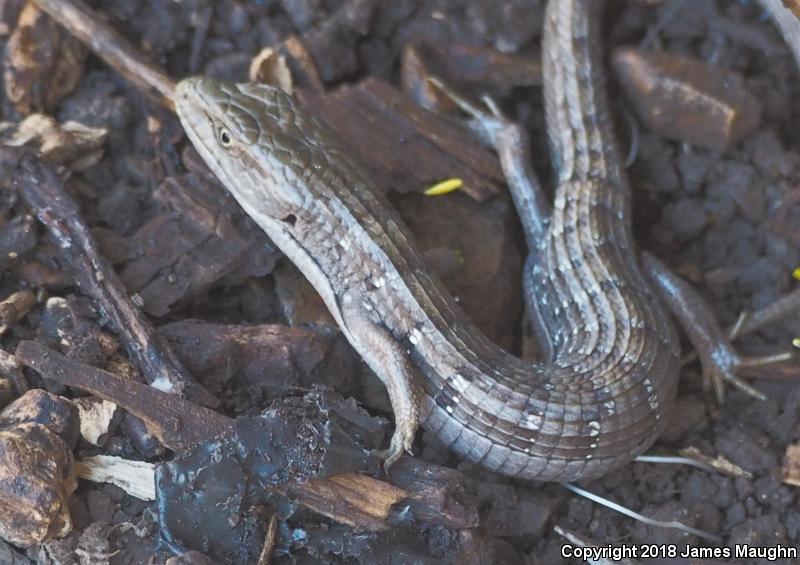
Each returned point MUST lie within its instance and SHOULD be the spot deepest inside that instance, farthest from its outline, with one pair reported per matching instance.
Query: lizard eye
(225, 138)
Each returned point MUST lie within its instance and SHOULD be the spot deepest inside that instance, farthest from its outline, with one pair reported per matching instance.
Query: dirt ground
(723, 219)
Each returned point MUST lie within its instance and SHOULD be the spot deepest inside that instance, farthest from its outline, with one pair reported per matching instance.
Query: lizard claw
(486, 123)
(721, 363)
(402, 439)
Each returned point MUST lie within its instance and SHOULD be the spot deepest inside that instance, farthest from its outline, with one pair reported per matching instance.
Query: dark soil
(715, 217)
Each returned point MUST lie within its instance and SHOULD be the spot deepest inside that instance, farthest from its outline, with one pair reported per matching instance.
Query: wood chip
(269, 67)
(137, 478)
(791, 465)
(96, 417)
(43, 62)
(71, 144)
(343, 498)
(719, 463)
(685, 99)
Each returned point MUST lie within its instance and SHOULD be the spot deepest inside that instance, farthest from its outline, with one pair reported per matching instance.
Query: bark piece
(71, 144)
(9, 14)
(17, 238)
(462, 65)
(204, 238)
(43, 190)
(300, 302)
(14, 308)
(176, 422)
(11, 370)
(436, 495)
(212, 497)
(685, 99)
(791, 465)
(110, 46)
(341, 498)
(37, 406)
(43, 62)
(272, 358)
(408, 147)
(37, 474)
(96, 418)
(269, 66)
(68, 325)
(137, 478)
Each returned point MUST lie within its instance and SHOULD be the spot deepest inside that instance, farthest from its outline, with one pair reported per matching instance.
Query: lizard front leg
(387, 358)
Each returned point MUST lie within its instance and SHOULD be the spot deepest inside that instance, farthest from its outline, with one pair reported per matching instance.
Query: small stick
(177, 423)
(110, 46)
(269, 541)
(43, 190)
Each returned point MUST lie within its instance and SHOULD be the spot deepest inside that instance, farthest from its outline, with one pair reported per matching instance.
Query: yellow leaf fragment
(447, 186)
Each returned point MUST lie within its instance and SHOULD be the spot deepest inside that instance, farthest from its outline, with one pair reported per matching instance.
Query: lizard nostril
(290, 219)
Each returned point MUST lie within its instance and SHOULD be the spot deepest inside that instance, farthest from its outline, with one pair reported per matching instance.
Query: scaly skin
(601, 396)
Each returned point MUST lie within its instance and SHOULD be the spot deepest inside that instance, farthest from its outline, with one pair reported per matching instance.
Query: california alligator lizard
(601, 396)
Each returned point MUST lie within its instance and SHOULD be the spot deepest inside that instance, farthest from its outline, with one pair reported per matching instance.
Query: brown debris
(791, 465)
(96, 418)
(17, 239)
(269, 67)
(214, 496)
(43, 190)
(176, 422)
(436, 495)
(341, 498)
(687, 100)
(14, 308)
(69, 325)
(424, 491)
(134, 477)
(300, 302)
(6, 392)
(73, 145)
(9, 14)
(270, 538)
(408, 147)
(301, 64)
(203, 237)
(462, 65)
(32, 445)
(110, 46)
(271, 357)
(720, 463)
(37, 406)
(11, 370)
(415, 73)
(43, 62)
(469, 261)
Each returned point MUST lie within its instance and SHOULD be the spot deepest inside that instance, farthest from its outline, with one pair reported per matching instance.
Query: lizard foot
(722, 363)
(402, 439)
(487, 122)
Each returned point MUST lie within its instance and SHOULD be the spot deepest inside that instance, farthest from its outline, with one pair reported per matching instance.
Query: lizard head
(256, 141)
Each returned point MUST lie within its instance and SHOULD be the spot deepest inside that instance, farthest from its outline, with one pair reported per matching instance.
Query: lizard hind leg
(721, 362)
